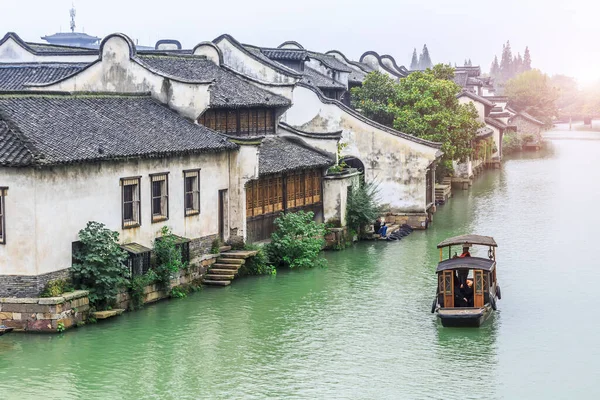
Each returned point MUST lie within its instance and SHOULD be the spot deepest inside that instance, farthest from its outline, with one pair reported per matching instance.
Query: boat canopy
(466, 263)
(469, 239)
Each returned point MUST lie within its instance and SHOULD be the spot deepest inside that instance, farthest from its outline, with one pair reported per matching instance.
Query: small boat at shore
(5, 329)
(467, 288)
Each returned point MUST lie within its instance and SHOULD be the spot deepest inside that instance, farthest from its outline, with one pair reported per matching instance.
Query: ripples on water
(361, 329)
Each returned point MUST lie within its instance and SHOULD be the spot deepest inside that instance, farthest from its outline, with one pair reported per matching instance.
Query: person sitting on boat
(465, 253)
(466, 292)
(379, 227)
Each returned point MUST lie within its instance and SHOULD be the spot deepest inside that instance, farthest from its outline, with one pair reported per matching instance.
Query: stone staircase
(226, 268)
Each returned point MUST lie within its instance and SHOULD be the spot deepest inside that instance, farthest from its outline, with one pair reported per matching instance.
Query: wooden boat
(460, 303)
(4, 329)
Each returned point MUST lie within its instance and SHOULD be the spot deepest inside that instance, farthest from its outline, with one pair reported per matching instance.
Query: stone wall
(201, 246)
(44, 314)
(190, 276)
(414, 220)
(28, 285)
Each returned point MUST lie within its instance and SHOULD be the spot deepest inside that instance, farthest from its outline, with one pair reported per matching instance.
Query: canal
(362, 328)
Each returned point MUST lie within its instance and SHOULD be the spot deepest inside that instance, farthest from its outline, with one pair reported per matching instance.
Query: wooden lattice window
(191, 192)
(221, 120)
(269, 121)
(159, 186)
(232, 122)
(130, 202)
(3, 193)
(244, 121)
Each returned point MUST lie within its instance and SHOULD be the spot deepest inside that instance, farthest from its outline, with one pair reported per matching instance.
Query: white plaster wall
(478, 106)
(497, 140)
(63, 199)
(328, 145)
(247, 65)
(117, 73)
(399, 165)
(243, 167)
(335, 196)
(17, 256)
(12, 52)
(373, 62)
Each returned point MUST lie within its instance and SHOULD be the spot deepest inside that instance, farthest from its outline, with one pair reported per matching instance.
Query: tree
(533, 93)
(423, 104)
(506, 67)
(425, 60)
(495, 69)
(527, 60)
(470, 63)
(414, 63)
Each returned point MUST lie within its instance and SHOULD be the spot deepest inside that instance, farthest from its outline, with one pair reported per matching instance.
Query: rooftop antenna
(72, 13)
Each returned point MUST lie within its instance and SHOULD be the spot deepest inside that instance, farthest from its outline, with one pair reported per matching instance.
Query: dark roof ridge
(326, 59)
(368, 121)
(530, 117)
(362, 66)
(167, 41)
(321, 74)
(398, 74)
(312, 135)
(475, 97)
(301, 142)
(495, 123)
(158, 54)
(402, 69)
(63, 93)
(300, 47)
(31, 64)
(239, 46)
(27, 46)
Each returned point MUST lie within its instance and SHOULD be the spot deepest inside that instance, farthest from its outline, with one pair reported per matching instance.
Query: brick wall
(27, 285)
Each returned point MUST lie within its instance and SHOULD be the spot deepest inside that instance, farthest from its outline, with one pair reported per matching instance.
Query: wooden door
(447, 288)
(478, 298)
(223, 217)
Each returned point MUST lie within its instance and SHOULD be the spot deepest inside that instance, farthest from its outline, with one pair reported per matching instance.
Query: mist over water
(362, 328)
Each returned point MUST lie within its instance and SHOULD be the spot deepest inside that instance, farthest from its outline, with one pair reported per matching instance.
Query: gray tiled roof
(315, 78)
(475, 97)
(279, 154)
(15, 76)
(54, 48)
(330, 61)
(259, 54)
(285, 54)
(228, 90)
(496, 123)
(460, 78)
(61, 128)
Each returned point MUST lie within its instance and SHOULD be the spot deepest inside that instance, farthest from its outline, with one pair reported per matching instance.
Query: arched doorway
(353, 162)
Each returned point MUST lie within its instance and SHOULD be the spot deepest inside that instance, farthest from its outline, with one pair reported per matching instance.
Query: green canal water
(362, 328)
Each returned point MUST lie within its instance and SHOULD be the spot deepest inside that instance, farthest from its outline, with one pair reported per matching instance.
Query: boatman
(465, 253)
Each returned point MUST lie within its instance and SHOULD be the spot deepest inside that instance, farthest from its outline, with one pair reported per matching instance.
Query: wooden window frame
(3, 194)
(133, 223)
(230, 121)
(163, 214)
(195, 209)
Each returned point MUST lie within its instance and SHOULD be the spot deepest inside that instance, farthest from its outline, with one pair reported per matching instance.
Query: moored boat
(5, 329)
(467, 288)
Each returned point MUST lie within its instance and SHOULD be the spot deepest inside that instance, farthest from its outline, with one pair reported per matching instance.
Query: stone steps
(108, 313)
(233, 267)
(225, 269)
(235, 261)
(222, 271)
(216, 283)
(224, 249)
(218, 277)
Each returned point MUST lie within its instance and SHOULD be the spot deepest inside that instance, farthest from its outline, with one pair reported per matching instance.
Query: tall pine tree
(470, 63)
(495, 69)
(414, 63)
(425, 59)
(527, 60)
(506, 67)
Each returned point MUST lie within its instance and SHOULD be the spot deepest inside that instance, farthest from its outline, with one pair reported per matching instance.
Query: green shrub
(136, 289)
(297, 242)
(511, 143)
(168, 258)
(362, 208)
(57, 287)
(257, 265)
(178, 292)
(216, 246)
(99, 265)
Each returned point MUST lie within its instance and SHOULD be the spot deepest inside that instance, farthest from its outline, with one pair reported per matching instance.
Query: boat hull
(464, 317)
(4, 329)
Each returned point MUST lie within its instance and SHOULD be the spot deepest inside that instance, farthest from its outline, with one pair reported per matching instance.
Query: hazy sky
(563, 36)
